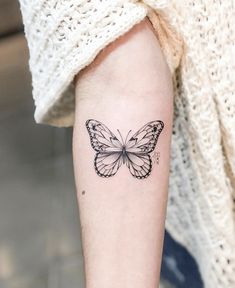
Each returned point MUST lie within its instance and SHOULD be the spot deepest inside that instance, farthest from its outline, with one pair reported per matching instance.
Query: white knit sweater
(197, 38)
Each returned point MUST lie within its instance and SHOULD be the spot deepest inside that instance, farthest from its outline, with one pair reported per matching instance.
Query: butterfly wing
(145, 140)
(108, 158)
(107, 165)
(102, 139)
(140, 165)
(139, 146)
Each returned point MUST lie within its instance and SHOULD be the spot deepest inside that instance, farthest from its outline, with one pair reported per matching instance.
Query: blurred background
(39, 224)
(40, 243)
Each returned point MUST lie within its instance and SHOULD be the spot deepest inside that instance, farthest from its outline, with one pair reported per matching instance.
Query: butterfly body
(111, 152)
(124, 155)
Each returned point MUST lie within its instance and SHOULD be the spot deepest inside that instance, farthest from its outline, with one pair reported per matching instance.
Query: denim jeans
(178, 266)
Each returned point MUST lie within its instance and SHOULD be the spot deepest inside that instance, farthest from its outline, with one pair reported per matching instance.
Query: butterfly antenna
(127, 136)
(120, 136)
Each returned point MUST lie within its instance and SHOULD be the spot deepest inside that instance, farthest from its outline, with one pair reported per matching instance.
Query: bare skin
(122, 217)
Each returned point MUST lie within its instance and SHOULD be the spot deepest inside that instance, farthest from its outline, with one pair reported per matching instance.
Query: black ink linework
(112, 152)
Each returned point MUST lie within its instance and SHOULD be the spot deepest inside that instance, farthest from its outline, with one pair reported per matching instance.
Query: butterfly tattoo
(112, 152)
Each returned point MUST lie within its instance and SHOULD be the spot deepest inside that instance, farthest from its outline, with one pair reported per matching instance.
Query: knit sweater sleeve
(65, 36)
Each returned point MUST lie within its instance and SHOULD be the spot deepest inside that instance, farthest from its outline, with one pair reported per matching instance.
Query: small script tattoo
(156, 157)
(112, 152)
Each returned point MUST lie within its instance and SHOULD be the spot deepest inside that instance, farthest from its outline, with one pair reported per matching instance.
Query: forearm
(122, 217)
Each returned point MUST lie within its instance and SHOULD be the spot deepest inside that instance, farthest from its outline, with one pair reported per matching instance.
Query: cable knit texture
(197, 38)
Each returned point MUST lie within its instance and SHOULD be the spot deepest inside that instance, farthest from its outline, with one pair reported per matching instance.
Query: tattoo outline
(112, 152)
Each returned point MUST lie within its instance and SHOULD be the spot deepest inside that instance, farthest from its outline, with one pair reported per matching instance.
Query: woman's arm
(122, 217)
